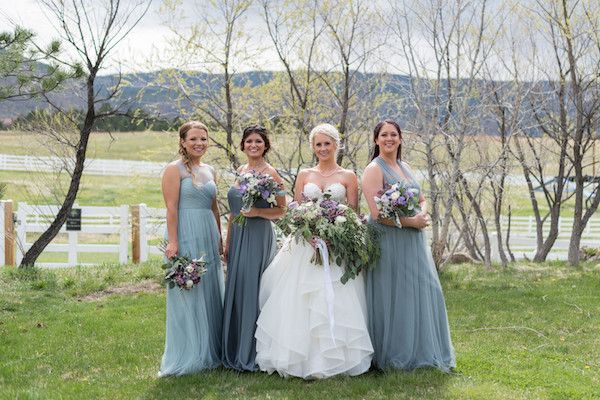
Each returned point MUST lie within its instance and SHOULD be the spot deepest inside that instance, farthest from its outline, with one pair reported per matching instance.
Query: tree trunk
(49, 234)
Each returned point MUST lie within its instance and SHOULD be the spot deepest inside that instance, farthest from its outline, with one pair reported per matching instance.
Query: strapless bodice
(336, 190)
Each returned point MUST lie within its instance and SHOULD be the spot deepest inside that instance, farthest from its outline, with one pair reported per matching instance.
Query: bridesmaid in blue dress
(249, 249)
(194, 317)
(407, 313)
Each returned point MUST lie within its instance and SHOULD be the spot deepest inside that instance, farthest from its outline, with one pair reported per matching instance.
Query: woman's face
(254, 146)
(388, 139)
(195, 142)
(324, 146)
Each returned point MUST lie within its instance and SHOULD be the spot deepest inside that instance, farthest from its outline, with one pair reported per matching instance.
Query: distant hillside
(154, 97)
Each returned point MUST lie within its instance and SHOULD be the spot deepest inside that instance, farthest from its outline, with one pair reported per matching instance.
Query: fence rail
(93, 166)
(94, 221)
(147, 226)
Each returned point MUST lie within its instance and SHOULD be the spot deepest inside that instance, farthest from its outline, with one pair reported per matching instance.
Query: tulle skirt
(407, 313)
(303, 332)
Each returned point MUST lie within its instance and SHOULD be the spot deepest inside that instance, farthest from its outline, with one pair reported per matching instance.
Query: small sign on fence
(74, 220)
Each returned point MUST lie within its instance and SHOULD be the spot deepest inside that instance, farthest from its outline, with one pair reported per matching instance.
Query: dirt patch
(146, 286)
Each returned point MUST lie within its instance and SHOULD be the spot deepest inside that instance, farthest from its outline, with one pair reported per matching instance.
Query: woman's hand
(253, 212)
(172, 249)
(420, 220)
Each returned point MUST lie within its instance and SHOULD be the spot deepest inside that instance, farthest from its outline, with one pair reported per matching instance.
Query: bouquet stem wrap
(329, 294)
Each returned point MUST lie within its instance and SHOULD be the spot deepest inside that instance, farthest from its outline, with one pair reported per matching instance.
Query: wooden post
(9, 233)
(135, 233)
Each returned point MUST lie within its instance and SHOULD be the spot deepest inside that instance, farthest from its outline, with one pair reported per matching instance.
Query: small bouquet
(350, 242)
(253, 187)
(183, 271)
(396, 201)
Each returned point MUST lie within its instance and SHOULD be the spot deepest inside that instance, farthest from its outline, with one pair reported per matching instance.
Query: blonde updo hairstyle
(328, 130)
(183, 131)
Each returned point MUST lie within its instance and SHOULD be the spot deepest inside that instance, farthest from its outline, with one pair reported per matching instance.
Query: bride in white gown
(304, 329)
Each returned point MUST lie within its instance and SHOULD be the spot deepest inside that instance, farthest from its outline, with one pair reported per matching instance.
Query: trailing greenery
(530, 332)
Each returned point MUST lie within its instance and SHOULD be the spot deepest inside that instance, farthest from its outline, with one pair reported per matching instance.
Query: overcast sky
(145, 48)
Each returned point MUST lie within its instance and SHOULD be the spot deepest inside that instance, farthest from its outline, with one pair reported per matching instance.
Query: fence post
(9, 233)
(124, 237)
(143, 232)
(135, 233)
(21, 231)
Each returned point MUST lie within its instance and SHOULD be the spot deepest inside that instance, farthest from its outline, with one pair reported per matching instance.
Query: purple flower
(292, 205)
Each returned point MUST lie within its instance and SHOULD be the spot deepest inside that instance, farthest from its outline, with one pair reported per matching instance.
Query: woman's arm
(170, 188)
(228, 240)
(299, 185)
(372, 183)
(272, 212)
(352, 189)
(217, 214)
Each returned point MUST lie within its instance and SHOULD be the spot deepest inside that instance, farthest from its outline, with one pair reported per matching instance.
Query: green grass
(530, 332)
(147, 146)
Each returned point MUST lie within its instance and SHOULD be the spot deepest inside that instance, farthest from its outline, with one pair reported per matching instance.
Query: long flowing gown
(407, 313)
(194, 317)
(251, 249)
(301, 331)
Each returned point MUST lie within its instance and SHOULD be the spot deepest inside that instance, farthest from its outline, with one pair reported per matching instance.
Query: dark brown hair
(376, 135)
(183, 131)
(259, 130)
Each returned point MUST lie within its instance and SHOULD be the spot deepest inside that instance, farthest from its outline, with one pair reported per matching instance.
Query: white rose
(395, 195)
(342, 207)
(189, 269)
(340, 220)
(271, 199)
(189, 283)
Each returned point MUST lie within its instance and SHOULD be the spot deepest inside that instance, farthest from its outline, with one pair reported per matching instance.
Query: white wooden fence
(523, 242)
(10, 162)
(150, 226)
(94, 221)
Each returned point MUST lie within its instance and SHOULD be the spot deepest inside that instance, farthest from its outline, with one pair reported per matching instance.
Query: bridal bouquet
(396, 201)
(183, 271)
(253, 187)
(349, 240)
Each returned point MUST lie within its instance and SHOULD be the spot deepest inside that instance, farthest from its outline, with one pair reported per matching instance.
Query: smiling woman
(312, 325)
(193, 339)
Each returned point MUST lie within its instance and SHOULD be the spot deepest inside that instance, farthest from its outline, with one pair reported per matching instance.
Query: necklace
(259, 168)
(326, 174)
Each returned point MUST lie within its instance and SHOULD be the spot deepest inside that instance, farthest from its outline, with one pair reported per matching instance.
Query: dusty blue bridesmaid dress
(407, 314)
(251, 249)
(194, 317)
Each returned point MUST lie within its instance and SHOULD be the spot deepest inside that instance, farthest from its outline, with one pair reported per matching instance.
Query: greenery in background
(529, 332)
(131, 120)
(2, 190)
(22, 73)
(115, 191)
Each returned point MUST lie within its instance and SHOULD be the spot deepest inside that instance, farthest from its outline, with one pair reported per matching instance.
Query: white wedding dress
(303, 330)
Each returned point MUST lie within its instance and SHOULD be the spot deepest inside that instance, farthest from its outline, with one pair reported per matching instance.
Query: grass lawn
(530, 332)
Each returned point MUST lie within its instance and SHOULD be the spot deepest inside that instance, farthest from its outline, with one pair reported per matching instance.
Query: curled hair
(328, 130)
(259, 130)
(376, 136)
(183, 131)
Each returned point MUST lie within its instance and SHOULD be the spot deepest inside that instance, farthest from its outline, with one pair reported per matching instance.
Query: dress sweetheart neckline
(326, 188)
